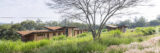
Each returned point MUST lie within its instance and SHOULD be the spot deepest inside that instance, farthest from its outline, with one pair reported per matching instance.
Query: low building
(49, 33)
(112, 27)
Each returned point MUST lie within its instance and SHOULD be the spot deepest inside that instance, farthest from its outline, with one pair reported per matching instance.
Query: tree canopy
(93, 12)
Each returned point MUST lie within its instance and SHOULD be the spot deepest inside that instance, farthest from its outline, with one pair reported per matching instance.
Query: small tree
(141, 22)
(93, 12)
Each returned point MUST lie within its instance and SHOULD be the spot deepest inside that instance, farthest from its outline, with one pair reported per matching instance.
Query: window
(41, 34)
(59, 33)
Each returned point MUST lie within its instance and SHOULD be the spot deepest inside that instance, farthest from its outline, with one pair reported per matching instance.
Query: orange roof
(23, 33)
(54, 28)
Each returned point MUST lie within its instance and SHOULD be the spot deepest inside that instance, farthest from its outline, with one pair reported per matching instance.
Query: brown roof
(57, 27)
(112, 26)
(54, 28)
(23, 33)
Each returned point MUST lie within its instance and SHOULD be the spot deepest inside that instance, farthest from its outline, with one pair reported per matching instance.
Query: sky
(20, 10)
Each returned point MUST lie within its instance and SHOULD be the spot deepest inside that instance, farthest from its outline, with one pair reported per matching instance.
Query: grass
(83, 43)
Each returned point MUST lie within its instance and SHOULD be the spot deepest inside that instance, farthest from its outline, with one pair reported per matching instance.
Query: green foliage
(8, 31)
(104, 30)
(73, 47)
(61, 37)
(83, 43)
(82, 35)
(115, 41)
(138, 22)
(18, 46)
(146, 30)
(115, 33)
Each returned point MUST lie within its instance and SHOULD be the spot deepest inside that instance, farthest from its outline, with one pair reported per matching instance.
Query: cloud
(38, 8)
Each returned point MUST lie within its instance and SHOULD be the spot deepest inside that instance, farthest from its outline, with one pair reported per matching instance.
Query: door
(66, 31)
(48, 35)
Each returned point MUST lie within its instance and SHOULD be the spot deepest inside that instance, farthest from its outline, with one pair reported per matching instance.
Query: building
(35, 35)
(112, 27)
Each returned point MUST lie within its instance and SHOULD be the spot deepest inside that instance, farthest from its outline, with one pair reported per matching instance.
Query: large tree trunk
(94, 35)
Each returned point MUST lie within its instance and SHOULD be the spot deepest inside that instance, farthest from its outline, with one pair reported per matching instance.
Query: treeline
(8, 31)
(140, 22)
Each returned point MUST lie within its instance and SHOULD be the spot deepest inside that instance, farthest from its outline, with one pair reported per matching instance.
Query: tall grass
(83, 43)
(21, 47)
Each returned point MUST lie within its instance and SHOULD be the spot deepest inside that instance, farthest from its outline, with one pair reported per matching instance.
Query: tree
(126, 22)
(65, 22)
(39, 25)
(93, 12)
(158, 17)
(52, 23)
(141, 22)
(28, 25)
(8, 32)
(154, 23)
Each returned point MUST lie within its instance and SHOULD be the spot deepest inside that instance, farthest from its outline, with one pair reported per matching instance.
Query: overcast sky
(38, 8)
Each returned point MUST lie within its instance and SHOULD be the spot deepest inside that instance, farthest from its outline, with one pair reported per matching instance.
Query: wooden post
(50, 36)
(35, 37)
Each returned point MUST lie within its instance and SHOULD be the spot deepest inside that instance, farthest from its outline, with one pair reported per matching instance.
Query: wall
(49, 35)
(28, 38)
(70, 34)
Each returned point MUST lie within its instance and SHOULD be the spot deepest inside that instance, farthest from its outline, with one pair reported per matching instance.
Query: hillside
(83, 43)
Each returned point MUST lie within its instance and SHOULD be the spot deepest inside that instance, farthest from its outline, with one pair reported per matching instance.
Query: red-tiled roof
(54, 28)
(23, 33)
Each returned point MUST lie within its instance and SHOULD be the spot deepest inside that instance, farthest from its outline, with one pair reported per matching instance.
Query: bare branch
(90, 11)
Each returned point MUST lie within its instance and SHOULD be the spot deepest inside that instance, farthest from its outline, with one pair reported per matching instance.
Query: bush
(115, 33)
(82, 35)
(146, 30)
(61, 37)
(104, 30)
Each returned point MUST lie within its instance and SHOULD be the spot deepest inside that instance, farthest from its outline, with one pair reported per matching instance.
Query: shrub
(140, 39)
(82, 35)
(104, 30)
(61, 37)
(115, 33)
(146, 30)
